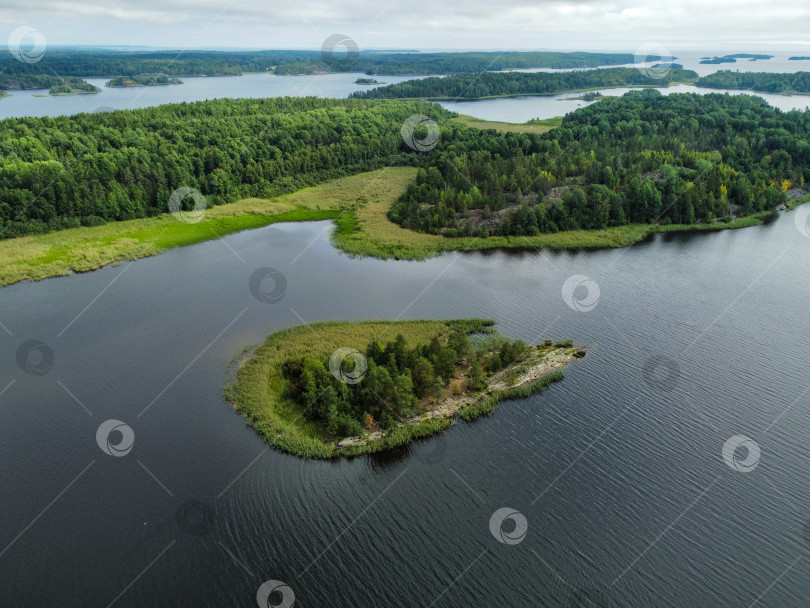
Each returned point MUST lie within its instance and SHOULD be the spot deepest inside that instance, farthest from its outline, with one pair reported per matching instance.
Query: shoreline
(357, 204)
(259, 391)
(452, 407)
(563, 92)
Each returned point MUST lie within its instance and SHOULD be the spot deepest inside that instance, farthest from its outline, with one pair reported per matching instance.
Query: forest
(89, 169)
(72, 85)
(56, 84)
(421, 64)
(143, 80)
(397, 381)
(493, 84)
(758, 81)
(642, 158)
(58, 63)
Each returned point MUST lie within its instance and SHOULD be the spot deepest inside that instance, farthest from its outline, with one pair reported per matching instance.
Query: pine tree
(476, 375)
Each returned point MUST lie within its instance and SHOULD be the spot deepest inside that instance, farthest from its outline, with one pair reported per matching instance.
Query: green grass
(532, 126)
(756, 219)
(547, 122)
(81, 249)
(489, 402)
(366, 231)
(257, 393)
(358, 204)
(797, 201)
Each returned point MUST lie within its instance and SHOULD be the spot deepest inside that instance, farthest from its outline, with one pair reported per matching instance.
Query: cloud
(523, 24)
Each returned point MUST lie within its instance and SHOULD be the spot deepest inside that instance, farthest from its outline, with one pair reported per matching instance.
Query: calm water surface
(39, 103)
(521, 109)
(619, 473)
(515, 109)
(621, 479)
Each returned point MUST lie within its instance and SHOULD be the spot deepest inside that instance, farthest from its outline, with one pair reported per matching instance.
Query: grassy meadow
(532, 126)
(81, 249)
(358, 204)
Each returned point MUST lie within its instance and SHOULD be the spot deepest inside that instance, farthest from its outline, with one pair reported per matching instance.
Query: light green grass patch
(532, 126)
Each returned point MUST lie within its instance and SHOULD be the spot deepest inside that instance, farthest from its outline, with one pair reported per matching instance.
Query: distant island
(57, 85)
(72, 85)
(346, 388)
(734, 58)
(799, 58)
(367, 81)
(510, 84)
(591, 96)
(143, 80)
(113, 63)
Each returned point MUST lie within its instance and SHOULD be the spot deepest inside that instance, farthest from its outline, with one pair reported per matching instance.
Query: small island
(734, 58)
(143, 80)
(367, 81)
(591, 96)
(800, 58)
(337, 389)
(72, 85)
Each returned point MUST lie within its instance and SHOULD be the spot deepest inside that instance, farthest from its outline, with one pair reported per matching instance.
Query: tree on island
(397, 382)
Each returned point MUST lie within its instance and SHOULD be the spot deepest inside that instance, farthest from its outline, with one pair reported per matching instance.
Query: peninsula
(564, 184)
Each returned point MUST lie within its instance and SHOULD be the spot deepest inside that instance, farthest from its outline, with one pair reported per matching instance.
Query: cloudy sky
(738, 25)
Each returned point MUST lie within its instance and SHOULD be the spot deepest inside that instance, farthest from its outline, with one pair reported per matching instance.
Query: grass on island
(358, 204)
(258, 392)
(532, 126)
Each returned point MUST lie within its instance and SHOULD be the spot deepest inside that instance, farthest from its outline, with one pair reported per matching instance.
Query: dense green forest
(72, 85)
(92, 168)
(61, 62)
(758, 81)
(641, 158)
(476, 86)
(420, 64)
(56, 84)
(396, 378)
(143, 80)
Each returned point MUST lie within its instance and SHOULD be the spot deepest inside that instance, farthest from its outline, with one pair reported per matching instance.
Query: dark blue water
(620, 477)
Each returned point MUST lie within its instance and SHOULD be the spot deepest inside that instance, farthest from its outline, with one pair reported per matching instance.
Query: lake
(521, 109)
(618, 470)
(514, 109)
(39, 103)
